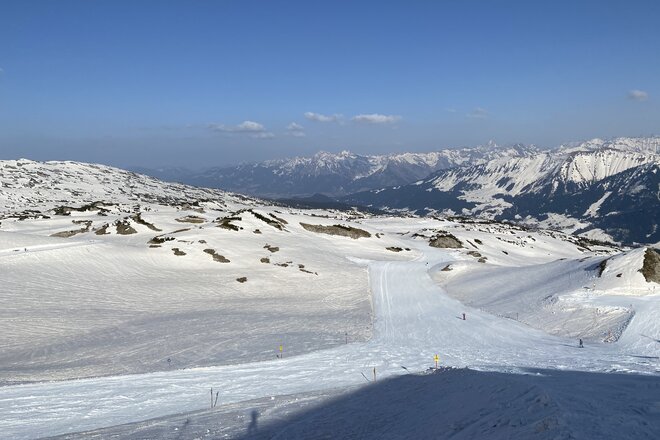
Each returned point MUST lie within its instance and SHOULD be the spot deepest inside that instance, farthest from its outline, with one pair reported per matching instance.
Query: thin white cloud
(243, 127)
(2, 70)
(253, 129)
(296, 130)
(295, 127)
(478, 113)
(318, 117)
(375, 118)
(638, 95)
(263, 135)
(450, 110)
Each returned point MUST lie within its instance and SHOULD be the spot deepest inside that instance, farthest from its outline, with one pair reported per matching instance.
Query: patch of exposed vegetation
(95, 206)
(394, 249)
(25, 215)
(137, 218)
(103, 230)
(282, 264)
(281, 220)
(216, 256)
(178, 252)
(586, 243)
(480, 258)
(472, 244)
(476, 240)
(194, 206)
(226, 223)
(447, 268)
(443, 239)
(257, 231)
(651, 267)
(191, 219)
(124, 227)
(160, 239)
(601, 267)
(241, 279)
(270, 221)
(67, 234)
(265, 260)
(341, 230)
(271, 249)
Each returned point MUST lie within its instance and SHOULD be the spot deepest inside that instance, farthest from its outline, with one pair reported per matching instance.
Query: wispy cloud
(263, 135)
(253, 129)
(375, 118)
(2, 70)
(318, 117)
(295, 130)
(478, 113)
(638, 95)
(243, 127)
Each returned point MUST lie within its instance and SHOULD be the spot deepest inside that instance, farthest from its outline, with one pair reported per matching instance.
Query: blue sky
(197, 83)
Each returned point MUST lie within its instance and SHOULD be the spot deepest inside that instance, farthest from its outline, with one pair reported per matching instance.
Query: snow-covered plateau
(124, 300)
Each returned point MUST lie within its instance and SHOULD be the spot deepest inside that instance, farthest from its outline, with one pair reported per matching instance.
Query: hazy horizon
(149, 84)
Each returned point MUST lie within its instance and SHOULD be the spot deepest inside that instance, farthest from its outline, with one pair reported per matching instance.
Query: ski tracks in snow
(414, 320)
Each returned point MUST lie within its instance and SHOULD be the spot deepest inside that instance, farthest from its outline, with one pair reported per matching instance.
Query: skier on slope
(581, 345)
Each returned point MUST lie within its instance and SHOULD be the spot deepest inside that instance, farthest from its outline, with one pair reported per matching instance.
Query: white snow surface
(98, 304)
(414, 319)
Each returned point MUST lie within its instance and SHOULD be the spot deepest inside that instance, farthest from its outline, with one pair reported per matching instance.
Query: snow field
(414, 319)
(110, 304)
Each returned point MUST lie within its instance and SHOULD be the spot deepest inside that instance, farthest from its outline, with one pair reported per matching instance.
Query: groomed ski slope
(414, 319)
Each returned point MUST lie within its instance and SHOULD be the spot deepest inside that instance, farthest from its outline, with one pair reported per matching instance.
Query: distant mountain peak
(645, 145)
(566, 182)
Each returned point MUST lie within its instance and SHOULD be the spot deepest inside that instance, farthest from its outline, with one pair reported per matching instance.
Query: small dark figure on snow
(581, 344)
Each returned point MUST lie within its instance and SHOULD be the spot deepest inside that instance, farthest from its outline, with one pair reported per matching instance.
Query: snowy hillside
(125, 299)
(570, 182)
(28, 185)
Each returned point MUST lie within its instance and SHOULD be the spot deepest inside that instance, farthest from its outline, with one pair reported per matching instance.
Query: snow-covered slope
(540, 404)
(28, 185)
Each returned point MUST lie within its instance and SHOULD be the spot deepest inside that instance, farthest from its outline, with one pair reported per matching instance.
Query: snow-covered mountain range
(610, 186)
(335, 174)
